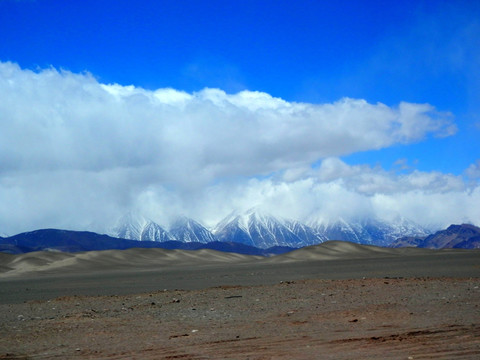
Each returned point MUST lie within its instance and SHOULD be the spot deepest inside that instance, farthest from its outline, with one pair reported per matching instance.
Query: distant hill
(75, 241)
(463, 236)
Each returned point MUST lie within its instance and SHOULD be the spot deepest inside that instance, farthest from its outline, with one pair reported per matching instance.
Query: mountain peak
(463, 227)
(367, 230)
(129, 226)
(188, 230)
(257, 228)
(134, 226)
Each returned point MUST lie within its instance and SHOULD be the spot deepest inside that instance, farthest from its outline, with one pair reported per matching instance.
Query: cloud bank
(76, 153)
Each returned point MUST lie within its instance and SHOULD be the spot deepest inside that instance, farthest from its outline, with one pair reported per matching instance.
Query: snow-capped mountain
(154, 232)
(261, 230)
(308, 235)
(129, 227)
(368, 231)
(384, 233)
(188, 230)
(134, 226)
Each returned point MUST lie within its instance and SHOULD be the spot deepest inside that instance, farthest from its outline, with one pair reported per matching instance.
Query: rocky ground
(383, 318)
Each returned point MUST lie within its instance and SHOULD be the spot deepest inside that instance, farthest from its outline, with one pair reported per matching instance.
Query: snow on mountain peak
(258, 228)
(134, 226)
(188, 230)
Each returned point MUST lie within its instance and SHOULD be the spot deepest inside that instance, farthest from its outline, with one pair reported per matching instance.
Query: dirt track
(314, 319)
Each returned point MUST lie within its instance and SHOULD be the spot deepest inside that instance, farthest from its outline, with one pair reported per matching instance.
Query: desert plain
(336, 300)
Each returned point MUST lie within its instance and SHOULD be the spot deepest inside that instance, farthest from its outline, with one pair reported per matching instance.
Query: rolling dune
(45, 262)
(337, 250)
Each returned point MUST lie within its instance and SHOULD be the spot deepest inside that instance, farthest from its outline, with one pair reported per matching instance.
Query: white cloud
(70, 120)
(337, 189)
(473, 171)
(74, 151)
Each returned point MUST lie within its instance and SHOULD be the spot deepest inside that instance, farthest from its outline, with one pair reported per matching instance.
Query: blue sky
(312, 52)
(307, 51)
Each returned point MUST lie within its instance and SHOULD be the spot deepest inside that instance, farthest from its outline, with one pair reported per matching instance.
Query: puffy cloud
(336, 189)
(74, 151)
(72, 121)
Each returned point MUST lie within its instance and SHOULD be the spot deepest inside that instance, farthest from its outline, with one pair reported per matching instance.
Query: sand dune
(110, 260)
(30, 261)
(137, 259)
(336, 250)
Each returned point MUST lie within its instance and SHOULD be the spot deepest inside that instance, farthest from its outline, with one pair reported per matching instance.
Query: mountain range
(75, 241)
(262, 230)
(252, 232)
(368, 231)
(245, 229)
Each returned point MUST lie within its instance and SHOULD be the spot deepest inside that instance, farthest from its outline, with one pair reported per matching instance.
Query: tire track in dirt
(451, 341)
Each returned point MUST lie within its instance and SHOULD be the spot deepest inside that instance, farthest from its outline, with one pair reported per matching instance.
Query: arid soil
(335, 300)
(379, 318)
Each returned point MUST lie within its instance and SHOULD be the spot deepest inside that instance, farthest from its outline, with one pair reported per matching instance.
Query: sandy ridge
(109, 260)
(48, 262)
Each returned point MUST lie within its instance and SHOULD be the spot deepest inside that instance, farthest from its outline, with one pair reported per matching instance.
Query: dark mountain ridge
(76, 241)
(464, 236)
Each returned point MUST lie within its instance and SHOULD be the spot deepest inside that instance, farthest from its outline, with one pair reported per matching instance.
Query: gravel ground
(378, 318)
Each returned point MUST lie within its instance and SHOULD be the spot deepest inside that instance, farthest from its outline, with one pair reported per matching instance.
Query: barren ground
(313, 319)
(376, 317)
